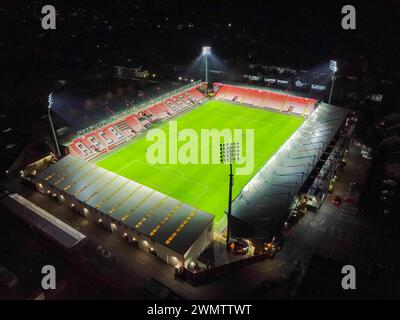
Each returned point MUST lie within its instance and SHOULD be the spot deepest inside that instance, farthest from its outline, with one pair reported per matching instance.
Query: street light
(229, 153)
(50, 104)
(206, 52)
(333, 67)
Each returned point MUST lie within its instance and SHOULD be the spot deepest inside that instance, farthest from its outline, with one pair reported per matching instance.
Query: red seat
(266, 99)
(108, 137)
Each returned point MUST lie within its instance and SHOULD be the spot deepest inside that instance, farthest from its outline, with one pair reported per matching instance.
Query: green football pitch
(204, 186)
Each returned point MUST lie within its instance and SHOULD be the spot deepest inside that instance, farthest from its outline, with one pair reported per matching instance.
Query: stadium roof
(264, 202)
(46, 223)
(151, 213)
(148, 97)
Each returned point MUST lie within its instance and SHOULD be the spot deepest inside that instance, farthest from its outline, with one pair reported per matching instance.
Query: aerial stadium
(174, 210)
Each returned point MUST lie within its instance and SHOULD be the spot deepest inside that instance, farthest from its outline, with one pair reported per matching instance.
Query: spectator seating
(266, 99)
(100, 141)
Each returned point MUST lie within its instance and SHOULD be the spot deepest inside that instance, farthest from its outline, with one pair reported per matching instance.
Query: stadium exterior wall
(202, 242)
(133, 237)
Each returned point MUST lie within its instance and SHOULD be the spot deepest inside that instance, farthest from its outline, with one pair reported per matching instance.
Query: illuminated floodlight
(333, 65)
(50, 101)
(229, 152)
(50, 105)
(206, 51)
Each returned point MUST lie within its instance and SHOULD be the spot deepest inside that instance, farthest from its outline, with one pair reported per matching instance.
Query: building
(175, 232)
(43, 222)
(131, 73)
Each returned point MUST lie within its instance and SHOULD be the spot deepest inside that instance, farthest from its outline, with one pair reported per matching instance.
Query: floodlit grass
(204, 186)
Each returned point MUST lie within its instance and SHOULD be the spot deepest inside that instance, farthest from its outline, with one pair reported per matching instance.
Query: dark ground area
(24, 252)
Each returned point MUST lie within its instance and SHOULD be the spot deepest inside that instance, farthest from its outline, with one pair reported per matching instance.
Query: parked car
(390, 183)
(239, 247)
(386, 194)
(278, 241)
(336, 200)
(366, 155)
(292, 220)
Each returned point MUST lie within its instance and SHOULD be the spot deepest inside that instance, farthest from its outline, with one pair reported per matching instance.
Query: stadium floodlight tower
(333, 67)
(206, 52)
(229, 153)
(50, 104)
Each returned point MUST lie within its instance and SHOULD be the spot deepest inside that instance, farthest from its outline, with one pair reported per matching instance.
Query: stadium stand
(264, 203)
(160, 111)
(279, 101)
(134, 123)
(174, 231)
(89, 144)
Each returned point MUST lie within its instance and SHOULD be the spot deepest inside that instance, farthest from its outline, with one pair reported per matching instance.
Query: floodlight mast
(50, 104)
(229, 153)
(206, 68)
(206, 52)
(333, 67)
